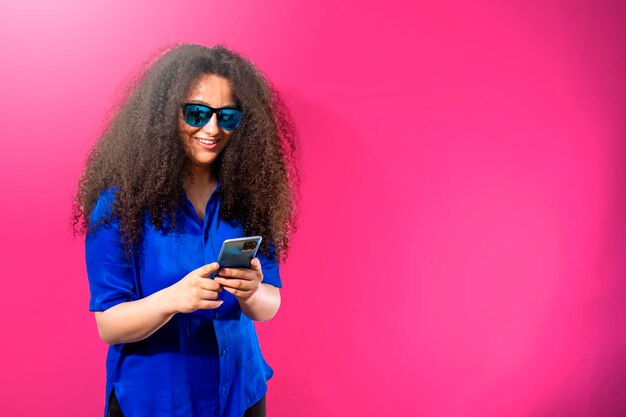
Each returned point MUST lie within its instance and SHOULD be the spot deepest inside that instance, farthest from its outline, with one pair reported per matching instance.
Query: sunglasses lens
(229, 119)
(196, 115)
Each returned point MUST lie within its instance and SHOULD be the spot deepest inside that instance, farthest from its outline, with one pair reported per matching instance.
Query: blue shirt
(200, 364)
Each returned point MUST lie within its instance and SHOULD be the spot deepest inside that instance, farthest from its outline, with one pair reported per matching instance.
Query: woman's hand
(132, 321)
(258, 301)
(241, 282)
(195, 291)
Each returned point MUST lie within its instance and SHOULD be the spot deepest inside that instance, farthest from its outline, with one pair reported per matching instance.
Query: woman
(201, 150)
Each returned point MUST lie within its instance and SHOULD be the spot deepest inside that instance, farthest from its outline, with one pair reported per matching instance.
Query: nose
(211, 128)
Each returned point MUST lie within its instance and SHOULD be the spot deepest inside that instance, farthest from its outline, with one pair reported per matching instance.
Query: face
(203, 144)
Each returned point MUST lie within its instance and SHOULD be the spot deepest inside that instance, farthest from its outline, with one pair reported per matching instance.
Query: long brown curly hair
(140, 153)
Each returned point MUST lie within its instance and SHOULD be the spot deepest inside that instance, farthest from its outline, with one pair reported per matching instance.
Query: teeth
(207, 142)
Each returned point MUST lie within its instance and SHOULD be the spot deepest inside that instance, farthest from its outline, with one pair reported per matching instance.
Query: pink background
(461, 245)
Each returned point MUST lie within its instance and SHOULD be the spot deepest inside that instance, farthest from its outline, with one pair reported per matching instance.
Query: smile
(207, 141)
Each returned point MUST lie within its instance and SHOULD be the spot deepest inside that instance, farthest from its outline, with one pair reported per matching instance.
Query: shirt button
(217, 315)
(223, 389)
(223, 353)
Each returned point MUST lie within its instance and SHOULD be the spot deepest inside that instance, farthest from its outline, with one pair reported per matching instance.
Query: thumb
(205, 270)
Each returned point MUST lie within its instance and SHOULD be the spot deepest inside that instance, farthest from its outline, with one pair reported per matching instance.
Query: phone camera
(249, 246)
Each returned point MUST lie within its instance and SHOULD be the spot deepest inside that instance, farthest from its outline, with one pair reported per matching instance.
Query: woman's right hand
(195, 291)
(132, 321)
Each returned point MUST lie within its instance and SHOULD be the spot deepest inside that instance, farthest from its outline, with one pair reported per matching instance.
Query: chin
(203, 161)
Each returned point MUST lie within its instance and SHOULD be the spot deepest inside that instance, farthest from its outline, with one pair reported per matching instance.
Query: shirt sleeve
(270, 269)
(111, 275)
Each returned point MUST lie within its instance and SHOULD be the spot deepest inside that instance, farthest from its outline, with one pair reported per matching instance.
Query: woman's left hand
(241, 282)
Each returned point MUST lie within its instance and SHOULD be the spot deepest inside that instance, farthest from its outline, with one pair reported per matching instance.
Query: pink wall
(461, 249)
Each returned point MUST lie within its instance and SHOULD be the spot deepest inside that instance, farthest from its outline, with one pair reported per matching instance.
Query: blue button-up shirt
(201, 364)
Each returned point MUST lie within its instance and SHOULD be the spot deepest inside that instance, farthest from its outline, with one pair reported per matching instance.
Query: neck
(201, 177)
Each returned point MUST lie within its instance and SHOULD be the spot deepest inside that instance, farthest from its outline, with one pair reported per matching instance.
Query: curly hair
(140, 153)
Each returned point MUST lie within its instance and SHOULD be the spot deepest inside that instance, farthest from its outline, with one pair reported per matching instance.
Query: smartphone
(238, 253)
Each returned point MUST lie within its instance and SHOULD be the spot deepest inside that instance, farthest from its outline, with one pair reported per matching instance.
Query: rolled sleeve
(270, 269)
(111, 275)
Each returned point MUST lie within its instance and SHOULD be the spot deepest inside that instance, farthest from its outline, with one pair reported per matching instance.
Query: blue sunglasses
(197, 115)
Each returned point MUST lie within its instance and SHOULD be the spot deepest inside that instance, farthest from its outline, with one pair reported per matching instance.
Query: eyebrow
(207, 104)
